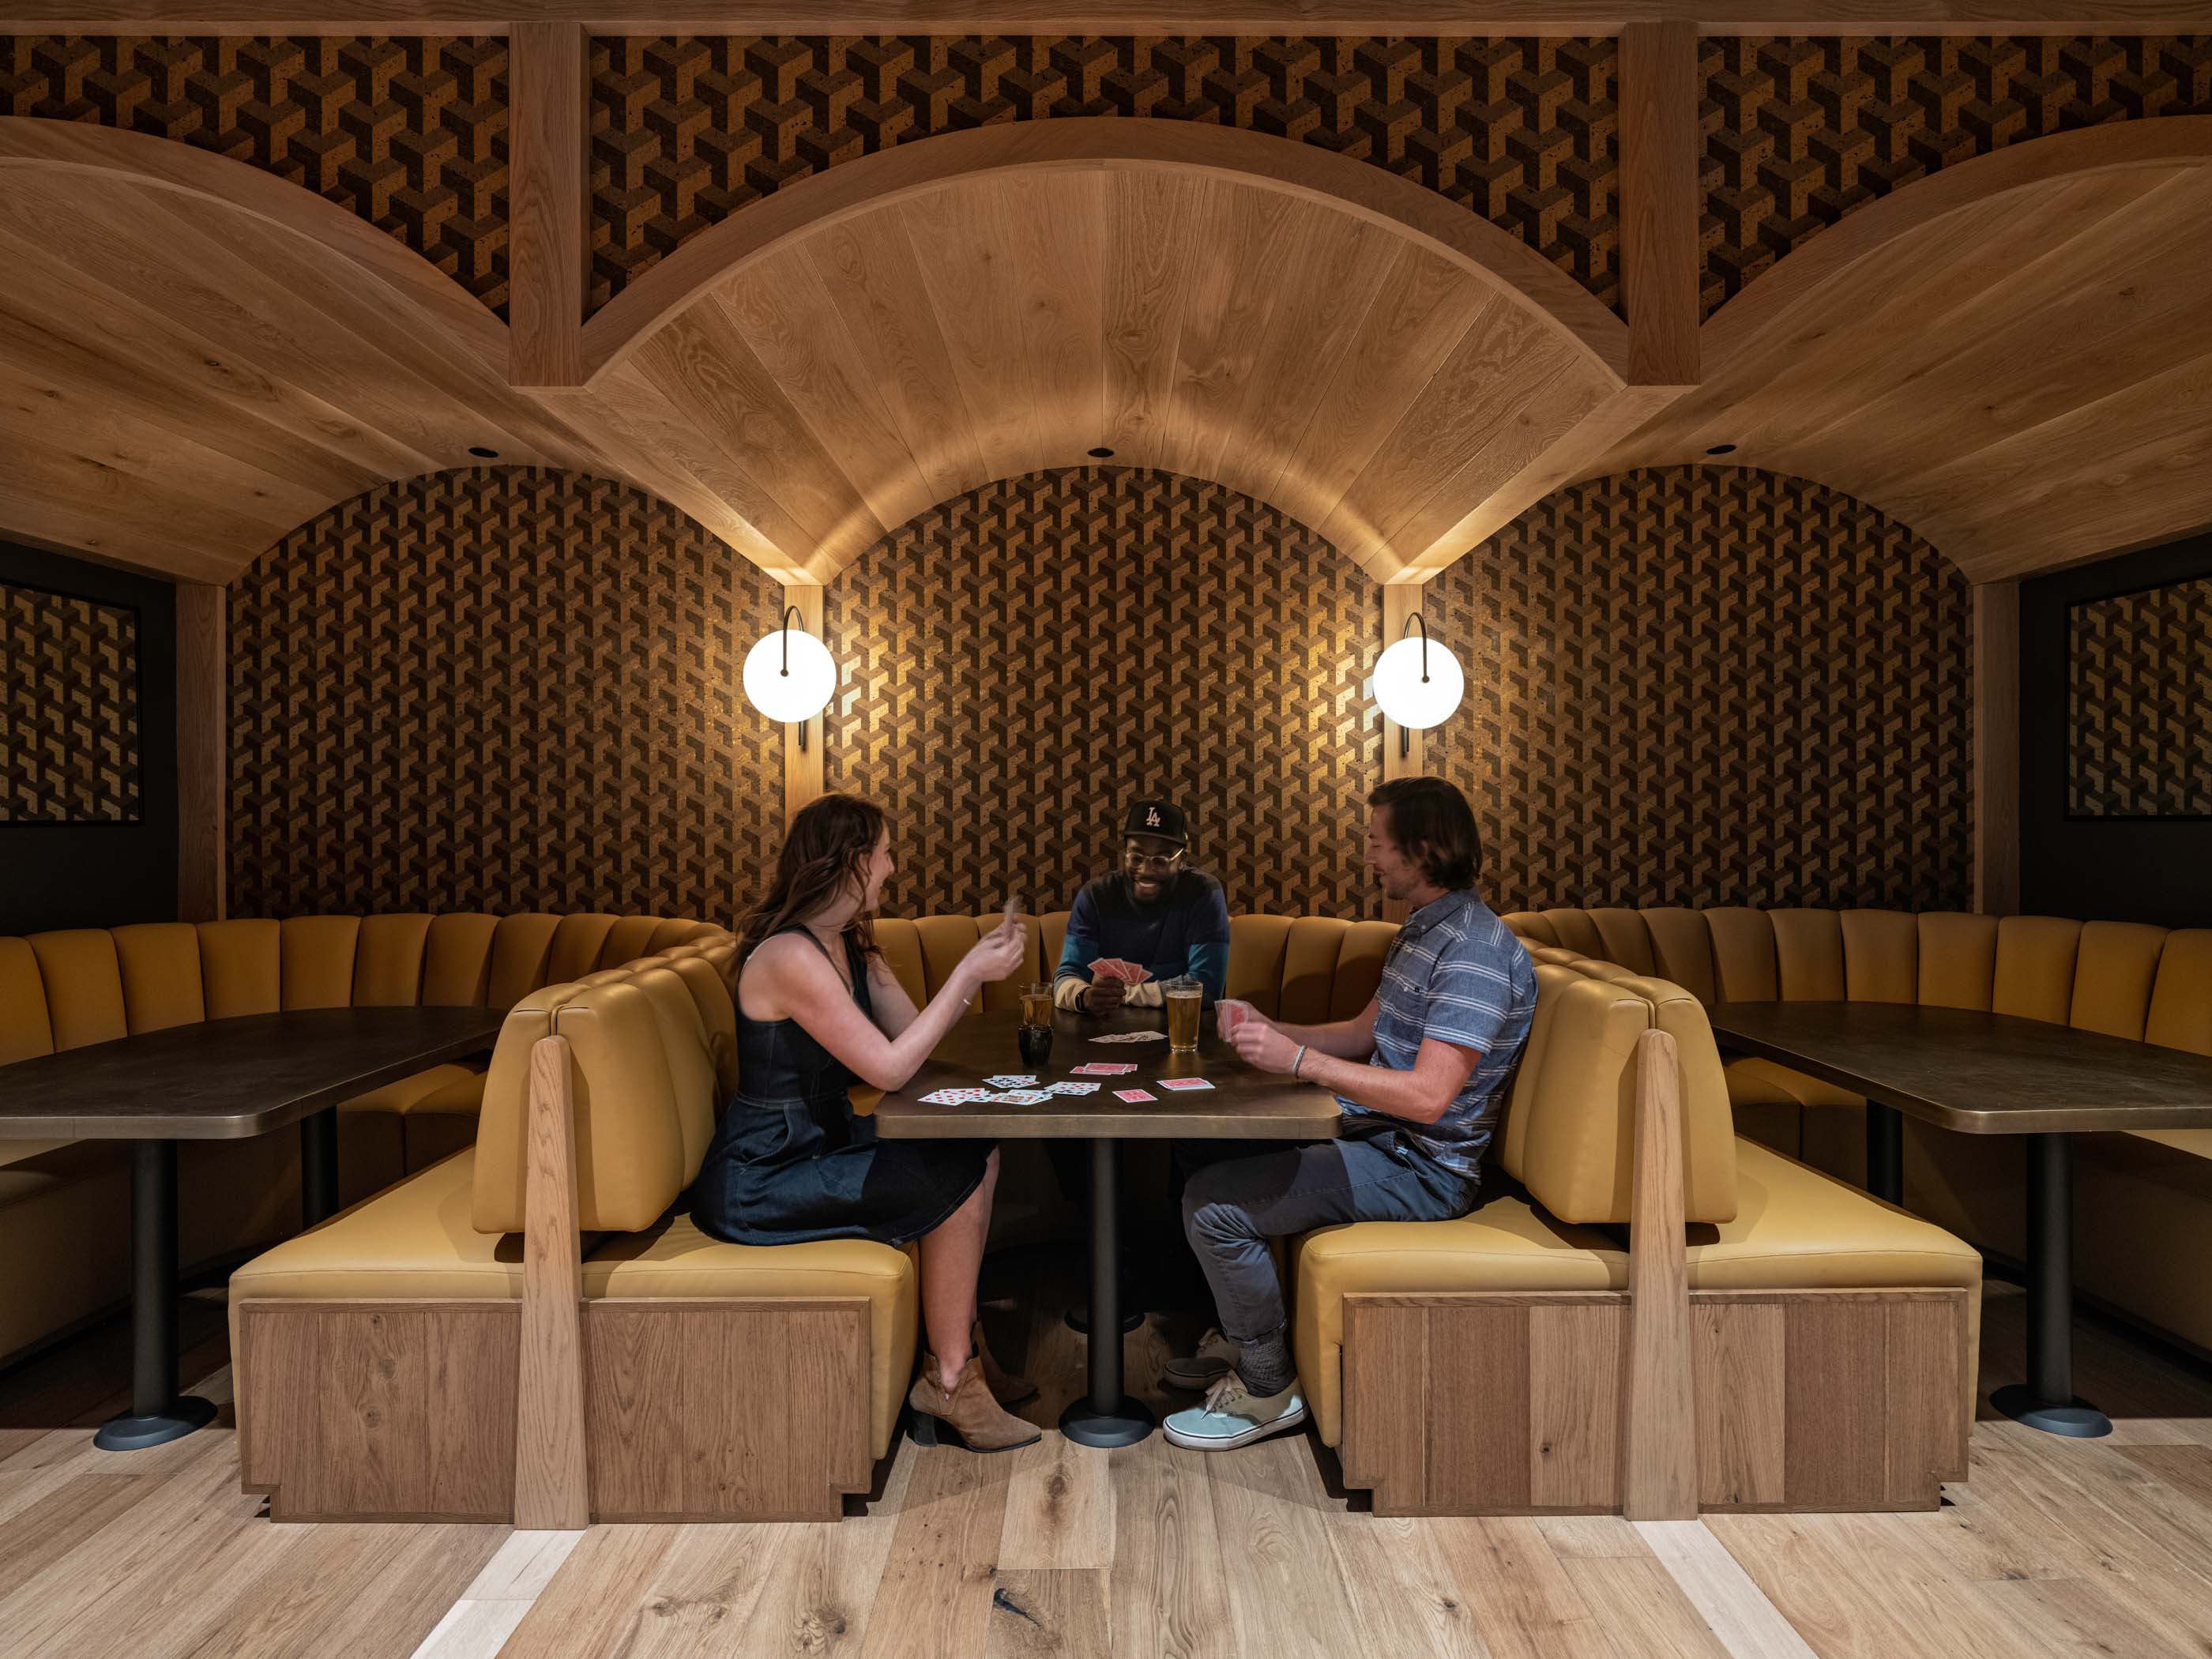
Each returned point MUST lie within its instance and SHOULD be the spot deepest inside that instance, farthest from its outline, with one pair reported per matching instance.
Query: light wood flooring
(2053, 1548)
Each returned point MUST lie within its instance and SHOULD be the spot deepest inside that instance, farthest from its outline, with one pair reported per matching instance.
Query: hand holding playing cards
(1229, 1014)
(1104, 994)
(1260, 1044)
(997, 954)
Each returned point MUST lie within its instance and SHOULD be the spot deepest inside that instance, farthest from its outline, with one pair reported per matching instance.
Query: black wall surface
(2098, 869)
(103, 875)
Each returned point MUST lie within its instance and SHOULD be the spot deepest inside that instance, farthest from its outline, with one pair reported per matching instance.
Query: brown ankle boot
(1006, 1387)
(968, 1415)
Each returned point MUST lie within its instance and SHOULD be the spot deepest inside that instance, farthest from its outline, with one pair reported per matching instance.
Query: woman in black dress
(818, 1011)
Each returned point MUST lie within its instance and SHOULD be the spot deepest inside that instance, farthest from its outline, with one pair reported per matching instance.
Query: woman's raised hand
(997, 953)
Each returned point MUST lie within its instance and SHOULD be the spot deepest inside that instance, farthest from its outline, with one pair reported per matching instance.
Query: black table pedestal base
(2078, 1421)
(128, 1432)
(1124, 1424)
(1079, 1319)
(1105, 1416)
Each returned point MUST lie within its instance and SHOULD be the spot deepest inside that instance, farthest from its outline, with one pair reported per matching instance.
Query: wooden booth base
(1504, 1403)
(705, 1410)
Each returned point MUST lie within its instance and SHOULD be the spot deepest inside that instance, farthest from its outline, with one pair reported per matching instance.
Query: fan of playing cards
(1116, 968)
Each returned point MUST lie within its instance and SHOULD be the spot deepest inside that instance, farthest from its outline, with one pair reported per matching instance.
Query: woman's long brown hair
(827, 846)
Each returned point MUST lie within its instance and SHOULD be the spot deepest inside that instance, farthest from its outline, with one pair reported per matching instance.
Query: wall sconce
(789, 675)
(1418, 684)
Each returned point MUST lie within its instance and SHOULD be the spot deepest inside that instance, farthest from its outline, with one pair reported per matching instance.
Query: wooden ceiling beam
(1393, 17)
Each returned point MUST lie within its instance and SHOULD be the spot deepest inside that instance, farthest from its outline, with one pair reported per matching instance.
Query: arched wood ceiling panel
(181, 382)
(864, 370)
(2026, 379)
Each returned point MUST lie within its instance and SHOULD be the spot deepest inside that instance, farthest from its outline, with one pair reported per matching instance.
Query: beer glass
(1036, 1004)
(1035, 1037)
(1185, 998)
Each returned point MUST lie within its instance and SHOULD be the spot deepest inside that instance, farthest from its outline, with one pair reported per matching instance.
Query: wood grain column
(203, 750)
(1996, 748)
(1400, 601)
(1659, 141)
(802, 769)
(547, 180)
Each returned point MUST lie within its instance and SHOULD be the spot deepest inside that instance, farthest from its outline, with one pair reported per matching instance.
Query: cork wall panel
(2139, 704)
(686, 131)
(1017, 663)
(1801, 132)
(68, 709)
(411, 132)
(1711, 686)
(502, 688)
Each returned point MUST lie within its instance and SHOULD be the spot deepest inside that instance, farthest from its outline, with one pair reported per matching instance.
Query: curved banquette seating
(711, 1379)
(2144, 1197)
(1464, 1367)
(65, 1207)
(1474, 1367)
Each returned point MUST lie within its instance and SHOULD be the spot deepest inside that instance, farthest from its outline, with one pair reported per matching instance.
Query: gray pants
(1249, 1192)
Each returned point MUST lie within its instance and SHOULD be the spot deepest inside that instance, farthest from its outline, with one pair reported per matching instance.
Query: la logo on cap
(1151, 815)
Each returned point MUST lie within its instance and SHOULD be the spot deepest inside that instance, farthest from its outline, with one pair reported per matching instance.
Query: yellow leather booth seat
(1561, 1166)
(65, 1207)
(1307, 969)
(2144, 1199)
(654, 1056)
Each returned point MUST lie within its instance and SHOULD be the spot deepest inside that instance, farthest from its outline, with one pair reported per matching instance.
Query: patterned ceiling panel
(1711, 686)
(686, 131)
(504, 689)
(2139, 704)
(1019, 662)
(1801, 132)
(409, 132)
(68, 709)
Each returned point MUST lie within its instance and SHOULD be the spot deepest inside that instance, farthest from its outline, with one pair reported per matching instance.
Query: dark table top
(225, 1079)
(1982, 1074)
(1243, 1104)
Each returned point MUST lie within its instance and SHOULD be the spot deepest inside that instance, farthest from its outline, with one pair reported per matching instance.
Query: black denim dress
(790, 1162)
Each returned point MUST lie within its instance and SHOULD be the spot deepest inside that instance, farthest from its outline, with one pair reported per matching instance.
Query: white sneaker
(1216, 1354)
(1232, 1417)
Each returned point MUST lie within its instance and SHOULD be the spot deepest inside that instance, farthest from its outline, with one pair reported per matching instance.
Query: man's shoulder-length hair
(1431, 819)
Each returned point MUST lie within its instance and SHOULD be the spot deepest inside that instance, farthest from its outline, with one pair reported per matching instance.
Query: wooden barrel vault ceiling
(2012, 356)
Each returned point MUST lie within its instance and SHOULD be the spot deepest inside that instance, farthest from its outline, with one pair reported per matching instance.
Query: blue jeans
(1249, 1192)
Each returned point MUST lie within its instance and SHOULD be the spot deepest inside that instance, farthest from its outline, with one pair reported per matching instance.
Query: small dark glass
(1037, 1044)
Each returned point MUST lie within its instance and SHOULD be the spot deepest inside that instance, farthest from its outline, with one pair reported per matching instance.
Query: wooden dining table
(1244, 1103)
(1980, 1074)
(217, 1079)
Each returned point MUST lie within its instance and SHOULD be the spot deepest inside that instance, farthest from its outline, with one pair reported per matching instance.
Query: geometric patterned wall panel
(685, 132)
(1801, 132)
(68, 709)
(410, 132)
(1020, 662)
(2139, 704)
(500, 689)
(1708, 685)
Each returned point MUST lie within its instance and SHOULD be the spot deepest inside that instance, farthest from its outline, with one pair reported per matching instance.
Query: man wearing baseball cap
(1151, 914)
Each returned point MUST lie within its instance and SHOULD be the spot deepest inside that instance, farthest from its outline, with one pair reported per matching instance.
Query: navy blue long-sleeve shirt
(1184, 930)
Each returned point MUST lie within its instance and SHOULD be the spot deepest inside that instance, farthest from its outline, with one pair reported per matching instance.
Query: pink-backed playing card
(1183, 1085)
(1135, 1094)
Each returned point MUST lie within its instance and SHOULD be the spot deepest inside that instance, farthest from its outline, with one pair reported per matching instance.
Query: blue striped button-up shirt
(1456, 974)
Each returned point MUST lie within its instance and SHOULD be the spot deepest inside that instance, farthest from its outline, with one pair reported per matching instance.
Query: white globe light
(799, 695)
(1400, 688)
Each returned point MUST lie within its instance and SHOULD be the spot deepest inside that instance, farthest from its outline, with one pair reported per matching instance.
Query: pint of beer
(1184, 998)
(1036, 1005)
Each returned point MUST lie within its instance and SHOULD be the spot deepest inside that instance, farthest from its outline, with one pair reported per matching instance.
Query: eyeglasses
(1134, 855)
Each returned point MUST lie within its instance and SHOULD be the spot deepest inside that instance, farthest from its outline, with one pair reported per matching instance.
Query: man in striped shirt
(1421, 1075)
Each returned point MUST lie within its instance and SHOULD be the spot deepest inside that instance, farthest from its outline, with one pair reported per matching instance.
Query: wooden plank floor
(2053, 1548)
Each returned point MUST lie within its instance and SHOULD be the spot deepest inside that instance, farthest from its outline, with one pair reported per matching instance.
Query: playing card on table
(1085, 1087)
(1131, 1036)
(1181, 1084)
(954, 1096)
(1135, 1095)
(1021, 1098)
(1012, 1080)
(1104, 1068)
